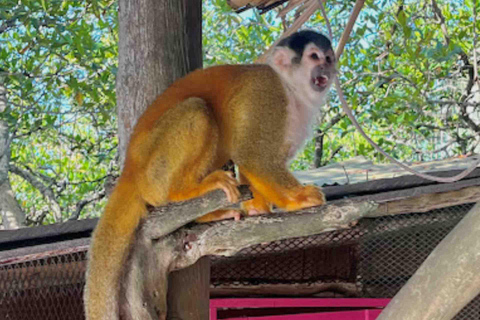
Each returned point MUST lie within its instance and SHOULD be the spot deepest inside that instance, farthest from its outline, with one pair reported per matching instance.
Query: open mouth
(320, 81)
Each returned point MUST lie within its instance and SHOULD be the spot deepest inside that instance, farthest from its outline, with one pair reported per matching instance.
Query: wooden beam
(237, 4)
(429, 202)
(337, 289)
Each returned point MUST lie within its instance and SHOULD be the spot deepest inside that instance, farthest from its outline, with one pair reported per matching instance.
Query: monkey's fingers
(308, 196)
(224, 180)
(256, 206)
(230, 186)
(221, 214)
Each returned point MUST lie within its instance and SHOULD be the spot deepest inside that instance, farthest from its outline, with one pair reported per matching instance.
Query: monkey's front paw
(308, 196)
(224, 180)
(256, 206)
(221, 214)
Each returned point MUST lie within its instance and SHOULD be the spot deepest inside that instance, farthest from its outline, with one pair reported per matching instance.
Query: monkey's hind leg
(257, 205)
(183, 155)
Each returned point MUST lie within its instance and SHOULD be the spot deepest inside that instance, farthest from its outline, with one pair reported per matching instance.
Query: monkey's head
(306, 59)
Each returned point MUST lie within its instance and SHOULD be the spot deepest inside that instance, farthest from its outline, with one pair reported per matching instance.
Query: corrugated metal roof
(361, 169)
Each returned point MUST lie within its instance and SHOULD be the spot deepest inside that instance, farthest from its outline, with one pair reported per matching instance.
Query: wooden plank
(327, 289)
(418, 191)
(429, 202)
(75, 229)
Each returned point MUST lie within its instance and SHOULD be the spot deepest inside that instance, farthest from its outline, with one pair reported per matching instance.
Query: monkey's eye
(314, 56)
(328, 59)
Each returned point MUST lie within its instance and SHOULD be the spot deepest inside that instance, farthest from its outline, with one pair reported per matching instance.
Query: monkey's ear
(282, 58)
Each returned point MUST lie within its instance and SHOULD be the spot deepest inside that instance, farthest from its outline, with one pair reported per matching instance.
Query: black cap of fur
(299, 40)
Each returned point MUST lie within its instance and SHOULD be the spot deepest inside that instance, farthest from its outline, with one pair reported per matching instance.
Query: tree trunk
(11, 213)
(317, 162)
(159, 42)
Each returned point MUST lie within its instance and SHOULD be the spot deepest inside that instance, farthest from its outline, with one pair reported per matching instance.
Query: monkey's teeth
(320, 80)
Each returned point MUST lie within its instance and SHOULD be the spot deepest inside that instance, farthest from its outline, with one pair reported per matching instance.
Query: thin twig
(475, 68)
(312, 6)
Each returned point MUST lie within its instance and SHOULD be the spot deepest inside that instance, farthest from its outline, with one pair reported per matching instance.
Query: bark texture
(158, 251)
(12, 215)
(159, 42)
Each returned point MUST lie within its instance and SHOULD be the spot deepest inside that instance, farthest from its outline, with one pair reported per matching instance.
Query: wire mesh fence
(44, 288)
(377, 256)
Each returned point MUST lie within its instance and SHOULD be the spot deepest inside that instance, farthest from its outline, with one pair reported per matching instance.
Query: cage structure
(42, 270)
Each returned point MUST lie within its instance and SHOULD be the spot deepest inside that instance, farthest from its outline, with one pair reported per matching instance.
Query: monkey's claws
(230, 186)
(308, 196)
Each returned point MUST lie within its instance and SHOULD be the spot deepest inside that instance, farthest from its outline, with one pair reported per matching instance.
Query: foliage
(408, 80)
(407, 72)
(232, 38)
(58, 59)
(409, 77)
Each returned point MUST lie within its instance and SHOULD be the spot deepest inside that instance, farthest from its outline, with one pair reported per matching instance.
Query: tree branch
(160, 246)
(228, 237)
(46, 191)
(471, 74)
(441, 18)
(81, 204)
(164, 220)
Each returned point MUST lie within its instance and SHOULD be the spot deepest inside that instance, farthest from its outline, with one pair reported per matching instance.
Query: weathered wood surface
(427, 202)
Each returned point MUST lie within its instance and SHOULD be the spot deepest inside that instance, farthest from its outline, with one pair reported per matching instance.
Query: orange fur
(246, 113)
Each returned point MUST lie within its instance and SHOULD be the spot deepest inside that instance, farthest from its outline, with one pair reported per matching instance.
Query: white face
(306, 80)
(311, 75)
(321, 66)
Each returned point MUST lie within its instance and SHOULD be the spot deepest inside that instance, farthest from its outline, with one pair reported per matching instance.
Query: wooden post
(189, 292)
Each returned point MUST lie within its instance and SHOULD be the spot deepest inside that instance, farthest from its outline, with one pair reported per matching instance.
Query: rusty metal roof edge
(71, 230)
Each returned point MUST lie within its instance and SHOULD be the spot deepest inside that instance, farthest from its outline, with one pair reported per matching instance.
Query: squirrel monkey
(257, 115)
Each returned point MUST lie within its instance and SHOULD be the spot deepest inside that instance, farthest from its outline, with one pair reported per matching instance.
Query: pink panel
(296, 302)
(213, 313)
(370, 314)
(343, 315)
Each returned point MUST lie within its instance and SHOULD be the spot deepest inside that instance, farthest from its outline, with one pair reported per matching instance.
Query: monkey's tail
(108, 251)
